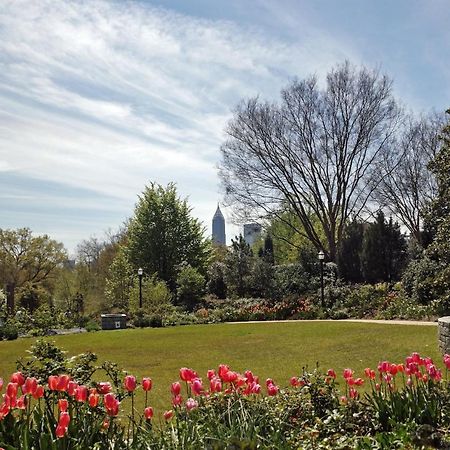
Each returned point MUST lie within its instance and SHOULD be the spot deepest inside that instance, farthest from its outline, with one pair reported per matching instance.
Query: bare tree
(406, 185)
(314, 153)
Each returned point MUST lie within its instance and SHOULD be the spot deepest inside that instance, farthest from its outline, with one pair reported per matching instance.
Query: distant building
(218, 227)
(252, 232)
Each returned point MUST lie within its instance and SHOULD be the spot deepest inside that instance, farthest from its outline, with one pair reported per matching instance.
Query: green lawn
(276, 350)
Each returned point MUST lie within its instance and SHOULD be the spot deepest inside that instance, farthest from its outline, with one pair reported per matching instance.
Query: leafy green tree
(162, 235)
(119, 282)
(25, 259)
(384, 252)
(190, 286)
(349, 253)
(216, 279)
(155, 294)
(238, 267)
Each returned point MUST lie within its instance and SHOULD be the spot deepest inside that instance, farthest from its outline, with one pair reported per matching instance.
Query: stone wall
(444, 334)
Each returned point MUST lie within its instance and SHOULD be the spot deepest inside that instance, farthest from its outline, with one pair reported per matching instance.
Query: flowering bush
(396, 405)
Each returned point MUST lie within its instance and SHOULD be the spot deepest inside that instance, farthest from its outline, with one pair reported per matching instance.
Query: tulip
(93, 400)
(147, 384)
(223, 369)
(105, 424)
(104, 388)
(81, 394)
(249, 376)
(64, 419)
(148, 413)
(344, 399)
(197, 386)
(168, 414)
(348, 373)
(30, 386)
(21, 402)
(211, 374)
(331, 373)
(215, 384)
(177, 400)
(130, 383)
(60, 431)
(17, 378)
(63, 381)
(11, 390)
(39, 393)
(63, 404)
(187, 374)
(175, 388)
(191, 404)
(53, 382)
(272, 390)
(294, 381)
(353, 393)
(72, 387)
(359, 382)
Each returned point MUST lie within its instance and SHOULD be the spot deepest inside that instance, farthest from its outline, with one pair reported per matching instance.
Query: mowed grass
(276, 350)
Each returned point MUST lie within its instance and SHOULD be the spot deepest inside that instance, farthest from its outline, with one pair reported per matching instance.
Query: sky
(99, 98)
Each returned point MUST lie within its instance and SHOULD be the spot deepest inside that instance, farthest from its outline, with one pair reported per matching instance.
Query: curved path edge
(390, 322)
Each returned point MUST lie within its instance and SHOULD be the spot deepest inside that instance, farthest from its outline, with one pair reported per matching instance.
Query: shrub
(9, 332)
(92, 325)
(190, 286)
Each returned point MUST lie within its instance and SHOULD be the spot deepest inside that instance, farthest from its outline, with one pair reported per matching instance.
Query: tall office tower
(218, 227)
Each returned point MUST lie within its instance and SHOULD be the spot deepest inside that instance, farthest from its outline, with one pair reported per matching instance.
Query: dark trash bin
(114, 321)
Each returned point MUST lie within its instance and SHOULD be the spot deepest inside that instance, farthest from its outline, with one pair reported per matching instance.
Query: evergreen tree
(163, 235)
(268, 250)
(349, 259)
(384, 251)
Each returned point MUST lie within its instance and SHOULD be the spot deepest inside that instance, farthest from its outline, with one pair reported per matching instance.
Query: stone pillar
(444, 334)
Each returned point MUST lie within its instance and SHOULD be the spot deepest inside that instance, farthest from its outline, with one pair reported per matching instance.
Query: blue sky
(98, 98)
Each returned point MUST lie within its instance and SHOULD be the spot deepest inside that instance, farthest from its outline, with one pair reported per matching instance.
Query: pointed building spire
(218, 227)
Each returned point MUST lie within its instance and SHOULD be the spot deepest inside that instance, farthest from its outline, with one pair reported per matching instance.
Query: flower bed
(392, 406)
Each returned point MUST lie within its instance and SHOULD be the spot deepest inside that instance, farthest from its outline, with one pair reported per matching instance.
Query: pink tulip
(63, 404)
(191, 404)
(130, 383)
(175, 388)
(17, 378)
(81, 394)
(197, 386)
(331, 373)
(104, 388)
(272, 390)
(187, 374)
(348, 373)
(168, 414)
(148, 413)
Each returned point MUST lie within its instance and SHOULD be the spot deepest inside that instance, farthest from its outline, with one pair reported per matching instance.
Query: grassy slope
(277, 350)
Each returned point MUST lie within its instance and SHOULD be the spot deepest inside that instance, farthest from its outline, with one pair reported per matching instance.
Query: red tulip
(223, 369)
(348, 373)
(148, 412)
(53, 382)
(229, 376)
(11, 390)
(344, 399)
(63, 381)
(64, 419)
(81, 394)
(60, 431)
(331, 373)
(147, 384)
(359, 382)
(21, 402)
(294, 381)
(249, 376)
(63, 404)
(168, 414)
(211, 374)
(215, 384)
(39, 393)
(18, 378)
(187, 374)
(111, 404)
(30, 386)
(104, 388)
(93, 400)
(72, 387)
(175, 388)
(130, 383)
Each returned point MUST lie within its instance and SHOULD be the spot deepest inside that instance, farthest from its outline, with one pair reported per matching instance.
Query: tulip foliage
(395, 404)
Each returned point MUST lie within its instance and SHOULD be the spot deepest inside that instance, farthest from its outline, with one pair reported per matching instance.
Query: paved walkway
(390, 322)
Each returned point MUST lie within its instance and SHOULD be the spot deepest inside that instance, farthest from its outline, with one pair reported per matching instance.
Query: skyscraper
(218, 227)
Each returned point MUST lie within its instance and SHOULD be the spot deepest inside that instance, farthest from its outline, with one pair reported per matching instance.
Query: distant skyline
(99, 98)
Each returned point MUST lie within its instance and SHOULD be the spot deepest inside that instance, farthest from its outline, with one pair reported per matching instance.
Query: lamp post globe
(321, 256)
(140, 273)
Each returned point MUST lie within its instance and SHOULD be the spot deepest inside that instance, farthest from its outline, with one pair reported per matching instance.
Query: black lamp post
(140, 273)
(321, 259)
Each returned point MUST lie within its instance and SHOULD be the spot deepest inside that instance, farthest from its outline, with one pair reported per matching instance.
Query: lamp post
(321, 259)
(140, 273)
